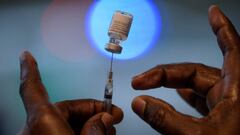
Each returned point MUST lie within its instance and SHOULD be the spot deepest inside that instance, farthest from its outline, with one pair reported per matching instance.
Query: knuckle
(42, 116)
(155, 116)
(92, 101)
(98, 126)
(62, 104)
(94, 127)
(200, 65)
(92, 105)
(159, 66)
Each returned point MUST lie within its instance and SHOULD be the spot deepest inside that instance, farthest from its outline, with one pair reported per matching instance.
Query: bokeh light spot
(63, 33)
(144, 32)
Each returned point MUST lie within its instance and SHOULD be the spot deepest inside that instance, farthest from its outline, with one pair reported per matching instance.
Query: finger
(184, 75)
(229, 42)
(32, 90)
(163, 117)
(100, 124)
(112, 131)
(83, 109)
(194, 100)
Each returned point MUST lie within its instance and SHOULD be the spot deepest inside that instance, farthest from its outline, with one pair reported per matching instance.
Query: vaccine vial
(118, 31)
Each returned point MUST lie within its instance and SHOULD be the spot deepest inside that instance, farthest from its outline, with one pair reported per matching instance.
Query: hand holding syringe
(118, 32)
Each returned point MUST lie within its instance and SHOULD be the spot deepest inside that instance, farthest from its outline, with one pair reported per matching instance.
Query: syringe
(118, 32)
(109, 90)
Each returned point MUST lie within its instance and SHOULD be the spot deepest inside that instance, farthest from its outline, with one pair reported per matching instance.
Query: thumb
(99, 124)
(163, 117)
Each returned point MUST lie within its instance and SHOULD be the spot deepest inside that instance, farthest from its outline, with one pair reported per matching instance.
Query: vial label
(120, 25)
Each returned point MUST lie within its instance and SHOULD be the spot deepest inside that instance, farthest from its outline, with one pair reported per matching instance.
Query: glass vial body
(118, 31)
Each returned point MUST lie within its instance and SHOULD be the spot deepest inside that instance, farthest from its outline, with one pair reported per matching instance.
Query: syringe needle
(111, 63)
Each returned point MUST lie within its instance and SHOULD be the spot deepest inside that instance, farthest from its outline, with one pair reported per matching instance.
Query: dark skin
(72, 117)
(213, 92)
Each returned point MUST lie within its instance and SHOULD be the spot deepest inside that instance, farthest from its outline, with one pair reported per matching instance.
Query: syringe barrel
(108, 105)
(108, 94)
(108, 98)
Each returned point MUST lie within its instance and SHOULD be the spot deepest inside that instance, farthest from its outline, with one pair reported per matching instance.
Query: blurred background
(58, 34)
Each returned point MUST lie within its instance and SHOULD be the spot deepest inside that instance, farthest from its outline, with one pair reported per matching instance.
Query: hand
(63, 118)
(213, 92)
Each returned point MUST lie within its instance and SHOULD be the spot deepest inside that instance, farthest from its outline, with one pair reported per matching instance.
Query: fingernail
(137, 81)
(107, 120)
(215, 9)
(212, 7)
(138, 106)
(22, 58)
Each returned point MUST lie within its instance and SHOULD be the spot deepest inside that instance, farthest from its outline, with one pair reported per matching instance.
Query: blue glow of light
(143, 34)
